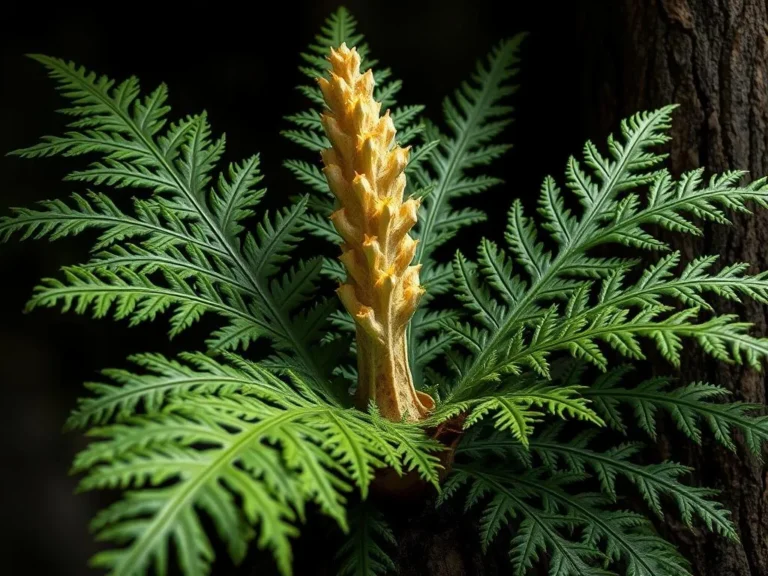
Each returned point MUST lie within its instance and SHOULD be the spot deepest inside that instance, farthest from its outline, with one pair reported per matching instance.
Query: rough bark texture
(711, 57)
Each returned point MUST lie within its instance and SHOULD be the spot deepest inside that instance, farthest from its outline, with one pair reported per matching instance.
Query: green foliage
(527, 302)
(560, 469)
(248, 444)
(568, 300)
(183, 249)
(476, 115)
(365, 552)
(255, 428)
(688, 405)
(544, 512)
(514, 409)
(225, 431)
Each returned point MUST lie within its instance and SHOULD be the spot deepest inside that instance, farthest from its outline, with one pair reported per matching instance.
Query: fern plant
(304, 398)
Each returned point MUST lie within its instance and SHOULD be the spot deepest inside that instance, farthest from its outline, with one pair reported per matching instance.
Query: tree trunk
(710, 57)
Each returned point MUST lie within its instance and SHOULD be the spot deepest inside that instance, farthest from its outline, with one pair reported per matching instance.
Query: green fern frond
(609, 536)
(185, 249)
(627, 536)
(236, 195)
(519, 409)
(568, 301)
(476, 115)
(652, 480)
(120, 400)
(540, 530)
(364, 553)
(227, 431)
(688, 405)
(56, 219)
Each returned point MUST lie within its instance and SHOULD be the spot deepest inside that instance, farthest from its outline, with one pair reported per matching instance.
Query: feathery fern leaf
(652, 480)
(228, 430)
(364, 552)
(539, 531)
(561, 457)
(57, 219)
(476, 115)
(520, 408)
(609, 536)
(183, 250)
(688, 406)
(570, 301)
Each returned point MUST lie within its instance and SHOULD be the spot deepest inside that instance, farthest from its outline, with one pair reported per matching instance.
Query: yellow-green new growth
(365, 171)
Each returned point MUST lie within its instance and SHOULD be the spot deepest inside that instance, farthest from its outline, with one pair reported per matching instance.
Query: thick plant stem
(365, 171)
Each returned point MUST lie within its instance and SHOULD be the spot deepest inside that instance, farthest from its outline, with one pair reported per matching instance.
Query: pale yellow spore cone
(365, 171)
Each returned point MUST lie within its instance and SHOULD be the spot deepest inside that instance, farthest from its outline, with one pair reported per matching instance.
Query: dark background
(241, 66)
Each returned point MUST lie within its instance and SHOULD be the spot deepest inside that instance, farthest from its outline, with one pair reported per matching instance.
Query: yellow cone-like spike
(365, 172)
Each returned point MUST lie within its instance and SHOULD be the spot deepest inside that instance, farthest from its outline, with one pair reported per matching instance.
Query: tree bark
(711, 58)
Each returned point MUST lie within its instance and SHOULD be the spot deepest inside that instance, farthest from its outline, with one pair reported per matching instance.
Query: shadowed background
(242, 68)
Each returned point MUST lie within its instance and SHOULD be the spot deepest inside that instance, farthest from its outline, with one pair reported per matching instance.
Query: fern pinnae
(473, 126)
(167, 378)
(688, 405)
(683, 197)
(154, 222)
(568, 558)
(648, 123)
(431, 348)
(274, 239)
(184, 179)
(641, 560)
(365, 553)
(521, 237)
(519, 409)
(715, 335)
(238, 407)
(190, 263)
(651, 480)
(236, 195)
(623, 532)
(136, 557)
(473, 295)
(498, 272)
